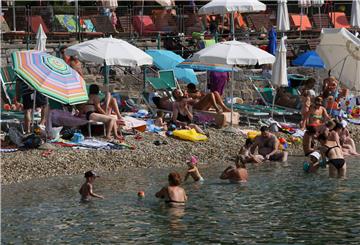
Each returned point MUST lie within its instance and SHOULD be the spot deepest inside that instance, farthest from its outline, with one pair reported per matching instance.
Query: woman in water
(332, 151)
(309, 140)
(173, 194)
(317, 115)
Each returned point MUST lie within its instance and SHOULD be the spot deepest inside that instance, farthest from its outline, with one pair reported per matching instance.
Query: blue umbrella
(272, 41)
(166, 60)
(309, 59)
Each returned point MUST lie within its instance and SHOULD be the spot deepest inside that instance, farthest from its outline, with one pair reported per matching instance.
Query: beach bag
(32, 141)
(16, 137)
(67, 134)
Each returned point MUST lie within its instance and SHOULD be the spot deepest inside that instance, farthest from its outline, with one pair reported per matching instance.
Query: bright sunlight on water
(280, 205)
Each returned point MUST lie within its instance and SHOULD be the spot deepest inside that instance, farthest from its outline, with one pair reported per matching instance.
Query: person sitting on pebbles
(193, 171)
(268, 146)
(237, 174)
(248, 156)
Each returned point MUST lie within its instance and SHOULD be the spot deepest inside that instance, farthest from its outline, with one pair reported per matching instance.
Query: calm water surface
(279, 205)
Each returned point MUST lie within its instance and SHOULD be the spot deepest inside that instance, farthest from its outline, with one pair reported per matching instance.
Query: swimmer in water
(173, 194)
(193, 171)
(86, 190)
(237, 174)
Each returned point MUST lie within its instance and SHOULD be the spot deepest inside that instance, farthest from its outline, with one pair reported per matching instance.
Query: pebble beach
(221, 148)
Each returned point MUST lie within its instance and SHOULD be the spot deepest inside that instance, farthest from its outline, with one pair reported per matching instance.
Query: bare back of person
(308, 144)
(238, 175)
(85, 191)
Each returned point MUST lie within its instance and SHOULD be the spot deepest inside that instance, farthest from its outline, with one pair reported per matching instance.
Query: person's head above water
(192, 161)
(90, 174)
(94, 89)
(265, 131)
(174, 179)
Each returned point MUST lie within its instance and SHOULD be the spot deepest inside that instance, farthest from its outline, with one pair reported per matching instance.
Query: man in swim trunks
(238, 174)
(268, 146)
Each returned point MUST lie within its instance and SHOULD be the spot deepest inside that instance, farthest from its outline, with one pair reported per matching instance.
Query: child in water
(193, 171)
(314, 164)
(246, 153)
(159, 120)
(86, 189)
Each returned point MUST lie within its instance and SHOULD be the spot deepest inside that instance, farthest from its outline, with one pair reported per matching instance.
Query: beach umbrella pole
(14, 16)
(232, 25)
(232, 97)
(273, 103)
(33, 112)
(319, 8)
(301, 16)
(106, 81)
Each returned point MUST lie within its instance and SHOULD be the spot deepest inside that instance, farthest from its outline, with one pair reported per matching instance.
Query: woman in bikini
(183, 116)
(332, 151)
(317, 114)
(204, 102)
(94, 112)
(173, 194)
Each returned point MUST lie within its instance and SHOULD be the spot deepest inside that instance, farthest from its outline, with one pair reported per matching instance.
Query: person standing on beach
(86, 190)
(268, 146)
(238, 174)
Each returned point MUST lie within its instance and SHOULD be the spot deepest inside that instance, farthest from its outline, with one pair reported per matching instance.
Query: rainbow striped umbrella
(50, 76)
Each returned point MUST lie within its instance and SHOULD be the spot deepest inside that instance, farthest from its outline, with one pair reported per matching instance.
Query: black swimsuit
(338, 163)
(172, 201)
(87, 114)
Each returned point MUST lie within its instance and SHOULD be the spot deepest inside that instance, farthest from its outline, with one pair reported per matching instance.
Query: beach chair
(322, 19)
(102, 24)
(339, 20)
(65, 23)
(144, 25)
(36, 20)
(7, 33)
(297, 20)
(249, 112)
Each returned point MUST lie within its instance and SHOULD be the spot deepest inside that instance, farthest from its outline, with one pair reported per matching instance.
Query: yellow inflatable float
(252, 134)
(189, 134)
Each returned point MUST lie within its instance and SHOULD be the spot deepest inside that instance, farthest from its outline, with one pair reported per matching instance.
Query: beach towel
(68, 22)
(131, 122)
(89, 26)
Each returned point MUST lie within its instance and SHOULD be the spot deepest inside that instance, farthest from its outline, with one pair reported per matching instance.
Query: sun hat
(193, 160)
(91, 174)
(315, 154)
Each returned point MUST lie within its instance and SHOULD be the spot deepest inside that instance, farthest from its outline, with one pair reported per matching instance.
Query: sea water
(279, 205)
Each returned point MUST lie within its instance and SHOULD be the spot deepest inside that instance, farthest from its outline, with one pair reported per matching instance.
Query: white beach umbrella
(279, 70)
(40, 39)
(282, 18)
(110, 51)
(233, 53)
(303, 4)
(222, 7)
(355, 14)
(109, 3)
(340, 51)
(318, 4)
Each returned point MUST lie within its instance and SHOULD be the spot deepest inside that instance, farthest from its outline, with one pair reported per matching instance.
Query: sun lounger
(299, 22)
(8, 34)
(321, 21)
(36, 20)
(249, 112)
(144, 25)
(102, 24)
(339, 20)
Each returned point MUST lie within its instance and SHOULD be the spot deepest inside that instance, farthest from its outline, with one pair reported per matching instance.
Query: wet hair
(191, 87)
(264, 129)
(174, 179)
(94, 89)
(311, 129)
(156, 101)
(248, 142)
(322, 137)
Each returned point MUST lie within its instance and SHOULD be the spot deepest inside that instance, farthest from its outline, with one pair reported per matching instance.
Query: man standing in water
(268, 146)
